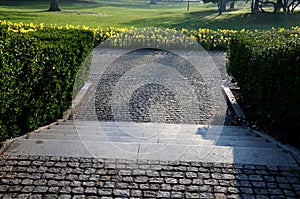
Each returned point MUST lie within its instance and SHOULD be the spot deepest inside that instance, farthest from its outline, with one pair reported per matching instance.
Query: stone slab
(184, 140)
(153, 151)
(221, 154)
(49, 148)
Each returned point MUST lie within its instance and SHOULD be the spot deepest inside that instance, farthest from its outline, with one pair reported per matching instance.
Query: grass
(138, 13)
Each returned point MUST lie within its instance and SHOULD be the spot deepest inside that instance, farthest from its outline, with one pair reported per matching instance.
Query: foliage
(214, 39)
(37, 74)
(266, 66)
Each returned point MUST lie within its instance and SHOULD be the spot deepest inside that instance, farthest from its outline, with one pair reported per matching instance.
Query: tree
(287, 6)
(291, 6)
(152, 2)
(221, 4)
(232, 5)
(54, 5)
(254, 6)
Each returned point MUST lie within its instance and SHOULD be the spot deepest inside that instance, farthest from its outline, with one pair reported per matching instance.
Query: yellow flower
(85, 27)
(22, 30)
(42, 26)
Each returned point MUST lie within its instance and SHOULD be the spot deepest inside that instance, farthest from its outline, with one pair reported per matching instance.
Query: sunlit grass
(138, 13)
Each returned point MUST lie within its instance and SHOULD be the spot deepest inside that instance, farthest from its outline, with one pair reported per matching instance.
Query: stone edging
(233, 102)
(67, 115)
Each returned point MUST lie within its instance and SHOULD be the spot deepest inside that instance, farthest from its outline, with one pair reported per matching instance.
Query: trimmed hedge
(266, 66)
(37, 74)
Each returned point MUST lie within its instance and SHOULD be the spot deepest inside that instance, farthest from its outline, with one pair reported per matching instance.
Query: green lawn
(138, 13)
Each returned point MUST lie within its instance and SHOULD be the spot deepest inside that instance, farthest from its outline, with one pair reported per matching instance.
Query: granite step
(213, 136)
(152, 151)
(153, 141)
(148, 128)
(187, 140)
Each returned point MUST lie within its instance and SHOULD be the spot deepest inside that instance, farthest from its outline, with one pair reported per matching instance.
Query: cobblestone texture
(148, 96)
(67, 177)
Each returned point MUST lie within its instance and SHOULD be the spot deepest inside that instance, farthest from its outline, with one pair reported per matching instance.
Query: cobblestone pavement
(67, 177)
(159, 86)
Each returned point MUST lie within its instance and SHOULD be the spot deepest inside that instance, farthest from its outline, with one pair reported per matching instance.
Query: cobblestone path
(147, 85)
(67, 177)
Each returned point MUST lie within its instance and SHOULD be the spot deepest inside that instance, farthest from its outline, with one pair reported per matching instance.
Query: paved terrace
(152, 124)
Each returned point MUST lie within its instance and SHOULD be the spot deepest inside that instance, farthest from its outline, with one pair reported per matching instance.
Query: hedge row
(37, 74)
(266, 66)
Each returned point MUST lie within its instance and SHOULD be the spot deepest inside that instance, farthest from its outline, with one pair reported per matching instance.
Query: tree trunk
(152, 2)
(232, 5)
(54, 6)
(254, 6)
(222, 6)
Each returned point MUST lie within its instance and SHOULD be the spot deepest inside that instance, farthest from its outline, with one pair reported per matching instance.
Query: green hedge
(37, 74)
(266, 66)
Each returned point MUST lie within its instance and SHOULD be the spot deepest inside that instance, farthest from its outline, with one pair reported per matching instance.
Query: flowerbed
(123, 37)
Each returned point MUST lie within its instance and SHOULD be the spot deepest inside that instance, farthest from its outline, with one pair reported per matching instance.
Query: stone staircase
(117, 92)
(153, 141)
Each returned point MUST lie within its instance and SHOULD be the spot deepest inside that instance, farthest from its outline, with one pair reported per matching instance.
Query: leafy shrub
(266, 66)
(37, 74)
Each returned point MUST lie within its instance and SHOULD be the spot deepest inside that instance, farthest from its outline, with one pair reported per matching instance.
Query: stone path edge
(294, 152)
(67, 115)
(233, 103)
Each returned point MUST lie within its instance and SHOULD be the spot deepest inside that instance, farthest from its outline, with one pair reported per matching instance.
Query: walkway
(153, 124)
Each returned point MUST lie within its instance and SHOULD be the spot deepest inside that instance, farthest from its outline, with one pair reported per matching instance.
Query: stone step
(117, 125)
(102, 135)
(252, 138)
(196, 140)
(151, 151)
(73, 133)
(150, 128)
(224, 154)
(245, 144)
(122, 139)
